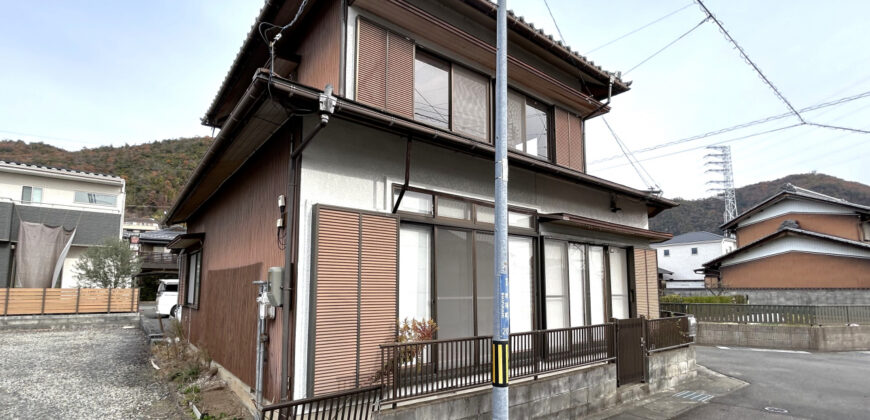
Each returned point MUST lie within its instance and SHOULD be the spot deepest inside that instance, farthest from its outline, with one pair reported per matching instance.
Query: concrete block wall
(790, 337)
(666, 369)
(568, 395)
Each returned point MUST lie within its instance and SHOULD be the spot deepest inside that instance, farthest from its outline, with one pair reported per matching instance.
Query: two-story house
(90, 204)
(797, 247)
(684, 254)
(357, 153)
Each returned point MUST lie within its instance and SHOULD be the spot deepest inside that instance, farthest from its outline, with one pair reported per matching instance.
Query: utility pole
(501, 305)
(720, 161)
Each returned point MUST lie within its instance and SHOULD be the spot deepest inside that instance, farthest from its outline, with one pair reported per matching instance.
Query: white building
(683, 254)
(91, 203)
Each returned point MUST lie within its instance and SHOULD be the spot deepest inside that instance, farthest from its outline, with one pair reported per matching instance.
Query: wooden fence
(23, 301)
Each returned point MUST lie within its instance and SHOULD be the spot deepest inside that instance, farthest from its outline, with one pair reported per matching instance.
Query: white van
(167, 297)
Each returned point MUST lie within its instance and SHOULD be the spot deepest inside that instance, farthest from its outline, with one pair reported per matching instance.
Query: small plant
(409, 331)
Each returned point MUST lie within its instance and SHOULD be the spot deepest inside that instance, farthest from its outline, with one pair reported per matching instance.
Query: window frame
(427, 54)
(30, 199)
(549, 112)
(188, 254)
(88, 195)
(694, 250)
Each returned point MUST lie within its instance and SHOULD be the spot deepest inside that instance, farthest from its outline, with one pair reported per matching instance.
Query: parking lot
(90, 373)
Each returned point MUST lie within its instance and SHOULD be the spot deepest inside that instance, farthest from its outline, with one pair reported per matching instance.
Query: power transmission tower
(719, 161)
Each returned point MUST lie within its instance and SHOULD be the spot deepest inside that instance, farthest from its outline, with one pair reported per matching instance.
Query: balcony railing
(412, 370)
(164, 258)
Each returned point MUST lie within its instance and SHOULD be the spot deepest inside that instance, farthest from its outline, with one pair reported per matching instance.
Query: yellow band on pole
(500, 364)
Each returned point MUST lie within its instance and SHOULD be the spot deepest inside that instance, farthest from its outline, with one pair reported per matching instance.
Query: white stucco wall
(60, 192)
(70, 276)
(353, 166)
(794, 206)
(683, 263)
(797, 244)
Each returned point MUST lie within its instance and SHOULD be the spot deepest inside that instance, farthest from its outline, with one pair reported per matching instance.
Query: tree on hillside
(112, 264)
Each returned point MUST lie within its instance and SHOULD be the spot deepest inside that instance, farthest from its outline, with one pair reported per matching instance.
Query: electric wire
(652, 185)
(667, 46)
(750, 62)
(562, 38)
(640, 28)
(737, 126)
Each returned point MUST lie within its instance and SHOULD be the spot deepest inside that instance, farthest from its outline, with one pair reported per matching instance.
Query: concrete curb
(59, 322)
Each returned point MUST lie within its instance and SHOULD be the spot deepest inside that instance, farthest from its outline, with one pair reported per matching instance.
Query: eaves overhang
(786, 195)
(587, 223)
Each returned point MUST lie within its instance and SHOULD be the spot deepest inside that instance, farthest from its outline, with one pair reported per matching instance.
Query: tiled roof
(56, 170)
(691, 237)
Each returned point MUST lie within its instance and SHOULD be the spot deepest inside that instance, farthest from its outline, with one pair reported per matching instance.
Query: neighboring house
(799, 247)
(683, 254)
(140, 224)
(388, 185)
(92, 204)
(151, 247)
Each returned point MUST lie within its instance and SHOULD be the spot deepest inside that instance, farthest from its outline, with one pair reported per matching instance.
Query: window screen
(31, 194)
(95, 198)
(470, 103)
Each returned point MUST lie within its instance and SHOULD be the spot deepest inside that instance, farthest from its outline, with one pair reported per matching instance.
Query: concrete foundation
(789, 296)
(564, 395)
(51, 322)
(790, 337)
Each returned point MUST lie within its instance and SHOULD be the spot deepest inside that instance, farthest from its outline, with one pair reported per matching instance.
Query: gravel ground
(93, 373)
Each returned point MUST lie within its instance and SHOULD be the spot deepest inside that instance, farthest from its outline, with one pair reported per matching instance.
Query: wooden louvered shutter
(354, 292)
(569, 140)
(336, 285)
(400, 75)
(646, 283)
(371, 79)
(377, 291)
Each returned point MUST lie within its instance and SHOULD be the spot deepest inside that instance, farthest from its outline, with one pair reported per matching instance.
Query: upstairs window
(432, 91)
(667, 252)
(528, 122)
(694, 251)
(95, 198)
(31, 194)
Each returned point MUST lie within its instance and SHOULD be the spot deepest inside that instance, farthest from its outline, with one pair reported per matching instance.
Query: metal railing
(774, 314)
(412, 370)
(158, 258)
(667, 333)
(356, 404)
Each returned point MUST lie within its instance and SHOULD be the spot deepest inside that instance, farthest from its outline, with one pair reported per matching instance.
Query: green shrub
(740, 299)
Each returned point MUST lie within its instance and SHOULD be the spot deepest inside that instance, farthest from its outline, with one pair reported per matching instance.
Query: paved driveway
(806, 385)
(94, 373)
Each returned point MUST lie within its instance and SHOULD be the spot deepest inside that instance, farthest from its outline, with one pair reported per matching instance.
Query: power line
(749, 61)
(667, 46)
(554, 21)
(636, 30)
(738, 126)
(652, 185)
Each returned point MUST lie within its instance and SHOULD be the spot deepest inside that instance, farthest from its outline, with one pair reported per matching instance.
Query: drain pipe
(603, 104)
(266, 311)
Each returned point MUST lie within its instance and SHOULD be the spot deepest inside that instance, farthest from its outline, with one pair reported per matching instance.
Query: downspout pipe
(407, 176)
(603, 104)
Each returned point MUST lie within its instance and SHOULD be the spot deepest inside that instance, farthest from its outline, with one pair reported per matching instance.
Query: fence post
(42, 310)
(6, 304)
(848, 314)
(78, 298)
(109, 303)
(132, 298)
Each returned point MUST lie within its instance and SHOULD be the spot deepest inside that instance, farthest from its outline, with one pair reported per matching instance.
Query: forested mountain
(154, 172)
(706, 213)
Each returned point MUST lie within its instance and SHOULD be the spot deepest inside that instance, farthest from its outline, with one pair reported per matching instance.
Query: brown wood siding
(355, 296)
(377, 291)
(240, 246)
(320, 50)
(799, 270)
(336, 294)
(400, 76)
(569, 140)
(646, 283)
(843, 225)
(371, 81)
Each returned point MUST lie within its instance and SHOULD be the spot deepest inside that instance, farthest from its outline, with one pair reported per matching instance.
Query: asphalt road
(806, 385)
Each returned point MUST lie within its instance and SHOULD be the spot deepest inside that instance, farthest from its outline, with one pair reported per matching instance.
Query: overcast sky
(91, 73)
